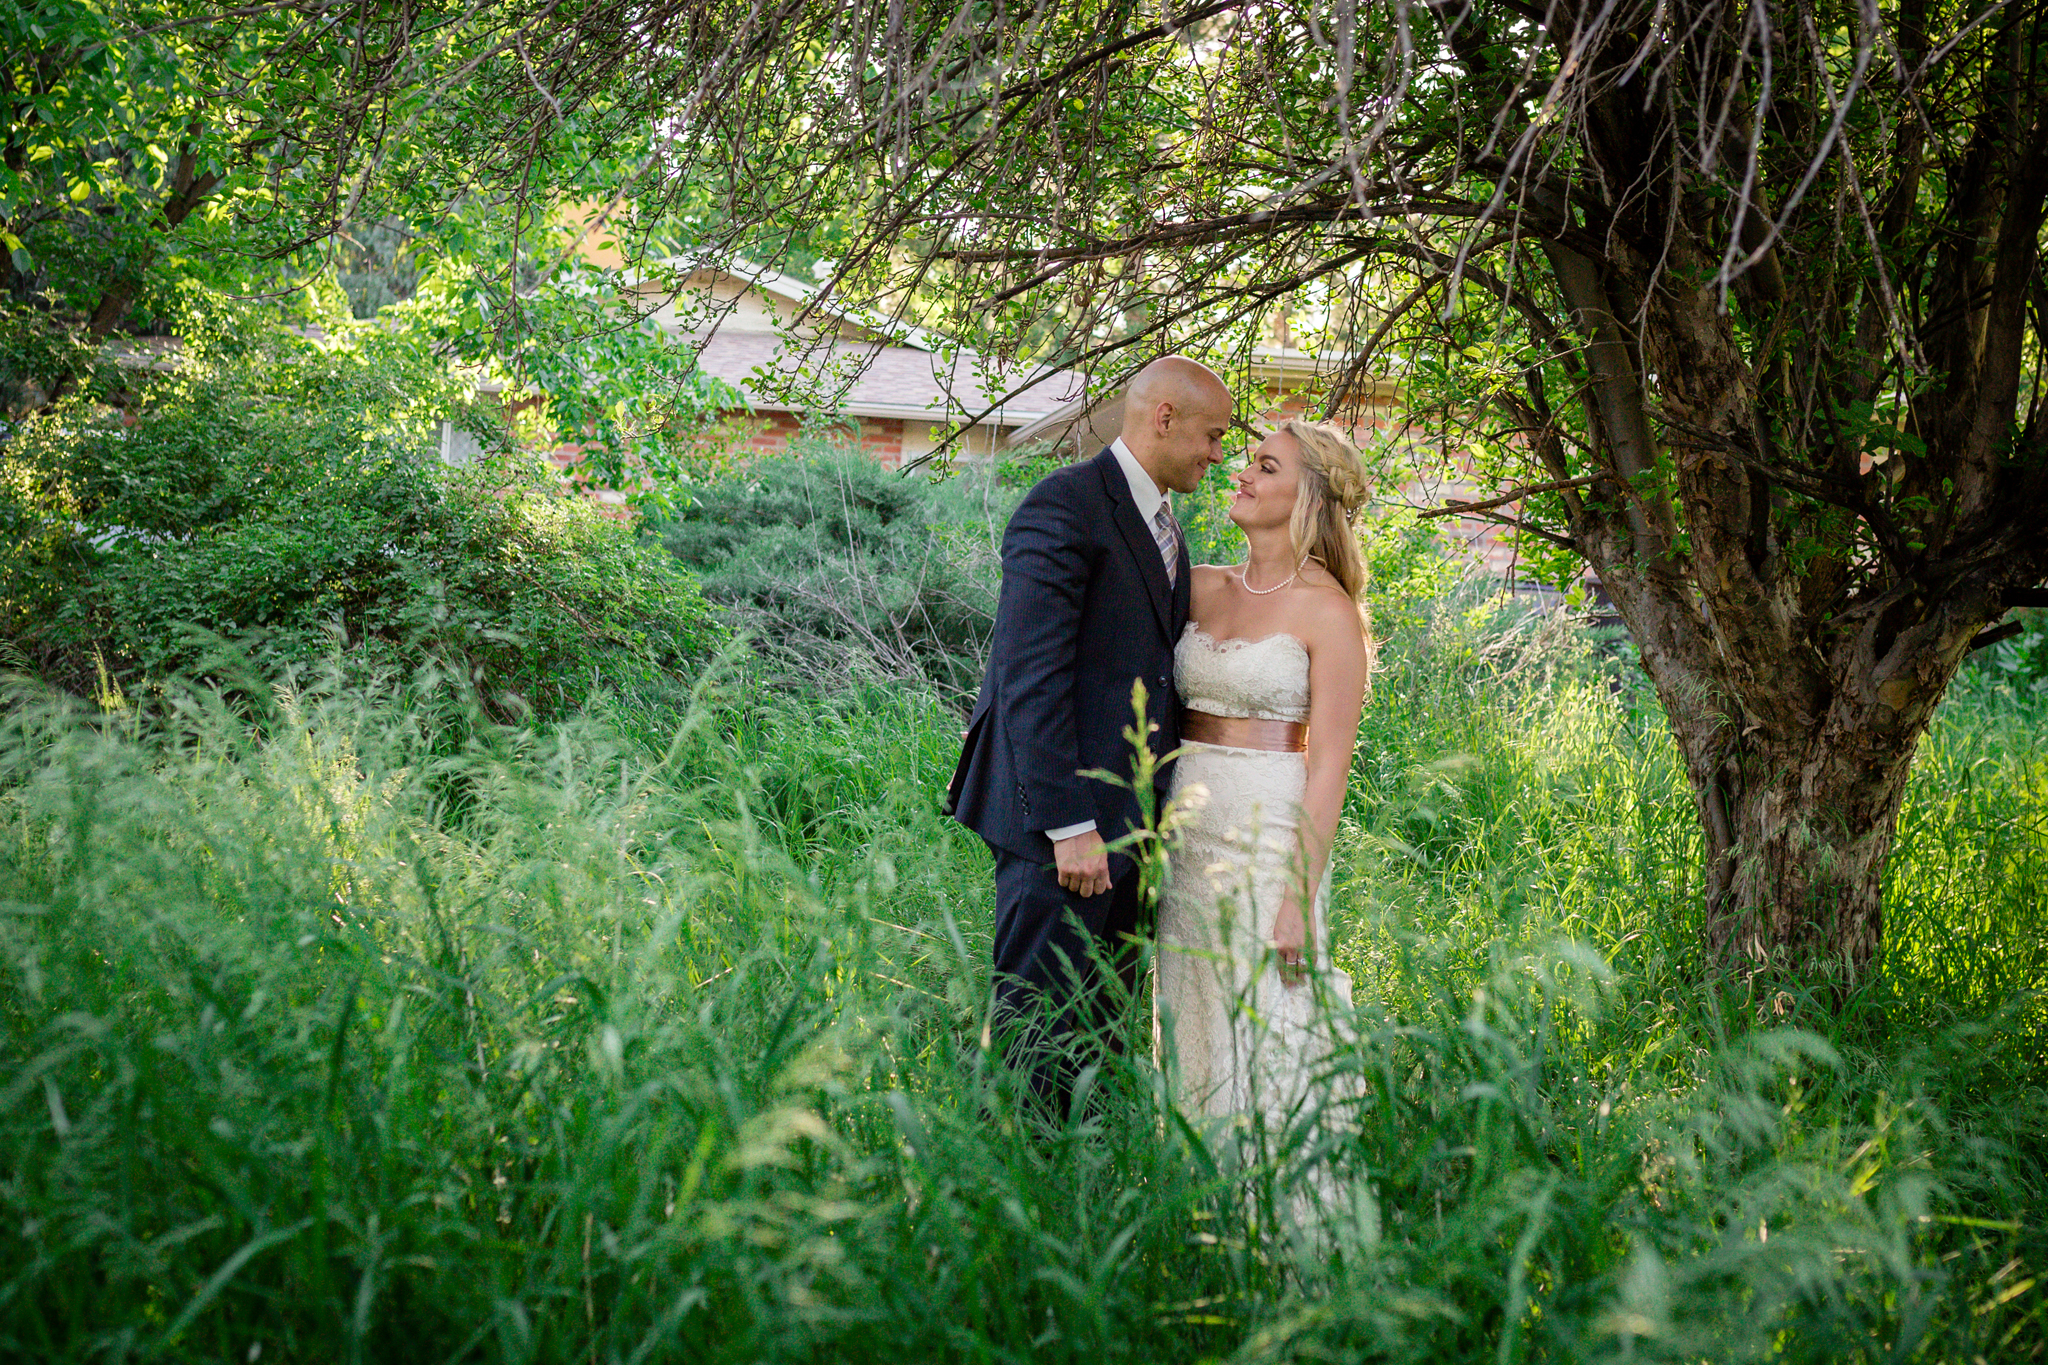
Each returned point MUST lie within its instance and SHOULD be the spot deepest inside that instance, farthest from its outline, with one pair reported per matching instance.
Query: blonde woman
(1271, 672)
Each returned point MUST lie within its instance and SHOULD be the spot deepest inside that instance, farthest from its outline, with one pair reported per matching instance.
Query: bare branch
(1458, 509)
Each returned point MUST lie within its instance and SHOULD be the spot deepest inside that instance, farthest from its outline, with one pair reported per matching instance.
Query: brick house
(894, 388)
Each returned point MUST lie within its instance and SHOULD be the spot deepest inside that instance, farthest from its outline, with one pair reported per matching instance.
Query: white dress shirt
(1145, 497)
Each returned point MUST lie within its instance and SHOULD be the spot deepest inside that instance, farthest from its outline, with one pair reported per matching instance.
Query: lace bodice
(1266, 678)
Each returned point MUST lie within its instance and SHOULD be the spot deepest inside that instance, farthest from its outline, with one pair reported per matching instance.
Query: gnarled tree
(1754, 291)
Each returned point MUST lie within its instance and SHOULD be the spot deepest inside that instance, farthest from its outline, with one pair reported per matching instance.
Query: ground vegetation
(842, 573)
(666, 1041)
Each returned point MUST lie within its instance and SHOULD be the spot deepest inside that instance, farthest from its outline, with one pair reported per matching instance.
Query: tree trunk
(1796, 842)
(188, 187)
(1798, 771)
(115, 301)
(1798, 662)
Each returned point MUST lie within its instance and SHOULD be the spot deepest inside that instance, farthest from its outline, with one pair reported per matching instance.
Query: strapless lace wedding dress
(1237, 1040)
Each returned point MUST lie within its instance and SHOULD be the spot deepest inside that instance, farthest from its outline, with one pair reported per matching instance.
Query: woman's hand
(1291, 943)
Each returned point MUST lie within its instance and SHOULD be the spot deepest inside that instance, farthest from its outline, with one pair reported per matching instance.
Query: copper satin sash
(1244, 732)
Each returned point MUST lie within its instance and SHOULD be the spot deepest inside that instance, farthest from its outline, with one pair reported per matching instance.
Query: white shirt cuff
(1069, 831)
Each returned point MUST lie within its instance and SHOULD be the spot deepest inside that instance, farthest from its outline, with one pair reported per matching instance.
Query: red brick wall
(773, 431)
(881, 437)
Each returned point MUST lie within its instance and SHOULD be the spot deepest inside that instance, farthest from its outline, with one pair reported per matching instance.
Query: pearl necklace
(1244, 579)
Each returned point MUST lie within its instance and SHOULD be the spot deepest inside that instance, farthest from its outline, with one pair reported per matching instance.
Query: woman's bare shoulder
(1327, 615)
(1314, 577)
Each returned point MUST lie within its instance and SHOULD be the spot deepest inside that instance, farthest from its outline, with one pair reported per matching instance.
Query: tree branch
(1454, 508)
(1562, 542)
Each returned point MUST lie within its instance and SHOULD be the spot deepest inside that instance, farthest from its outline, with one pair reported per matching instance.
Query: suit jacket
(1085, 611)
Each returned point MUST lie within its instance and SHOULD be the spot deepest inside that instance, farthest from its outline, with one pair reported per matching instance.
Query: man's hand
(1290, 942)
(1083, 863)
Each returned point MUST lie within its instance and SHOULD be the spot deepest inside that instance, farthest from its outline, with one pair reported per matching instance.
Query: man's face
(1191, 439)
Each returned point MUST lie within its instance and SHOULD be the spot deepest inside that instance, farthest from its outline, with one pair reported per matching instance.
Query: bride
(1272, 671)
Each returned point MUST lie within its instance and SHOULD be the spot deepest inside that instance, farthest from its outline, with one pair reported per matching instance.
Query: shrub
(2019, 662)
(36, 353)
(291, 496)
(844, 571)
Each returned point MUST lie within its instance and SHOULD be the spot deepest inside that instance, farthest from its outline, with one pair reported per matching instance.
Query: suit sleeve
(1047, 562)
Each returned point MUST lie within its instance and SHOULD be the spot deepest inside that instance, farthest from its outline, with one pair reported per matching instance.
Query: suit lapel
(1138, 537)
(1183, 589)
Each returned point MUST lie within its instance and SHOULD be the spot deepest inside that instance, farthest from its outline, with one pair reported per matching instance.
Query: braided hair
(1333, 488)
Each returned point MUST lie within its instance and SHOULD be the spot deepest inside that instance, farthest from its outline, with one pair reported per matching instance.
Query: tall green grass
(661, 1036)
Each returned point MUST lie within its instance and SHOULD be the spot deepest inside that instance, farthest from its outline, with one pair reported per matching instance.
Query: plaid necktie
(1167, 533)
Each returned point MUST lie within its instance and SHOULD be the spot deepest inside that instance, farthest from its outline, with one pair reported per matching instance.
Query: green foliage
(2019, 663)
(376, 267)
(35, 358)
(150, 146)
(624, 391)
(673, 1051)
(138, 128)
(1204, 517)
(88, 114)
(844, 571)
(292, 493)
(1413, 568)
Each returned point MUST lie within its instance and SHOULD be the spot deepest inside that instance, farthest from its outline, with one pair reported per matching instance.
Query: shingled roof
(875, 379)
(847, 362)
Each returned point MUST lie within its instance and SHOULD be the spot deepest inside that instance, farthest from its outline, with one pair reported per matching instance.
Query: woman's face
(1267, 484)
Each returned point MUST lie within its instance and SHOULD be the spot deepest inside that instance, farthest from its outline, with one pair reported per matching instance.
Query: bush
(844, 571)
(37, 353)
(2017, 663)
(292, 496)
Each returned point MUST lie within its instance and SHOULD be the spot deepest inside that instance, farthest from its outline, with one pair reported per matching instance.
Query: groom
(1094, 596)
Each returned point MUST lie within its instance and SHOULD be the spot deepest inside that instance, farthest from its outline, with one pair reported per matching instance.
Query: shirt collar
(1145, 495)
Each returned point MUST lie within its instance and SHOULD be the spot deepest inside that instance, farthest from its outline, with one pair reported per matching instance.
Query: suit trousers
(1066, 967)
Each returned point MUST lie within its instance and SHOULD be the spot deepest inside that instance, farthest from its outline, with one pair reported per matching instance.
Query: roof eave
(1002, 417)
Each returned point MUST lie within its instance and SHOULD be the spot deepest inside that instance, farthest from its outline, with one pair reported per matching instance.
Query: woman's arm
(1336, 689)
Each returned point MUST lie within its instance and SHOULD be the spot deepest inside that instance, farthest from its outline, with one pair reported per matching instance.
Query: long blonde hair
(1333, 487)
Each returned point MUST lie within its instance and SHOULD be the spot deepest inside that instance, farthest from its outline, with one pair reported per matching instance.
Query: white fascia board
(1002, 417)
(1069, 414)
(1290, 364)
(794, 290)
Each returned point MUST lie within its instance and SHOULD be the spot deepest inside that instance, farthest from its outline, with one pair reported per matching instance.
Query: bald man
(1094, 596)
